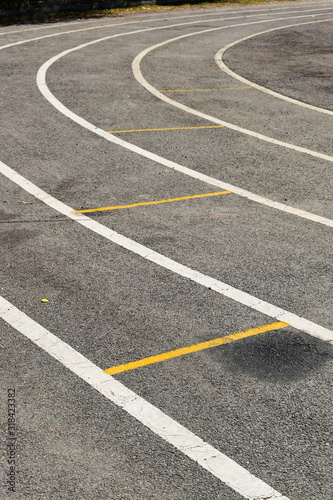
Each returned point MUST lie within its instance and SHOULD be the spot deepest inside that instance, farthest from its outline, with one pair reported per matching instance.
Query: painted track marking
(160, 129)
(224, 67)
(41, 83)
(13, 44)
(195, 348)
(175, 267)
(204, 90)
(215, 462)
(169, 200)
(140, 78)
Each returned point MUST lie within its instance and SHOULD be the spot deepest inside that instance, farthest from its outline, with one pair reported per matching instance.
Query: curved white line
(224, 67)
(137, 21)
(55, 25)
(41, 82)
(140, 78)
(7, 46)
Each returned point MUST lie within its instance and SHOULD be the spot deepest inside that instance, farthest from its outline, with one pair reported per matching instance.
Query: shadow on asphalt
(275, 357)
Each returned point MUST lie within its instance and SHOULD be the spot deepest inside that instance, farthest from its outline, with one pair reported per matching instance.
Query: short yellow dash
(151, 202)
(205, 90)
(158, 129)
(197, 347)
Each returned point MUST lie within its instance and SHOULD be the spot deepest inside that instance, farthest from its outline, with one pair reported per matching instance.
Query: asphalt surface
(263, 401)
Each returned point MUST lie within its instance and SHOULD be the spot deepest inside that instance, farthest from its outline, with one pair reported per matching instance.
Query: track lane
(180, 412)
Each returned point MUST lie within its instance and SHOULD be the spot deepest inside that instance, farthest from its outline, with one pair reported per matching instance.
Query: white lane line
(161, 260)
(13, 44)
(212, 460)
(139, 20)
(41, 82)
(7, 46)
(49, 26)
(224, 67)
(139, 77)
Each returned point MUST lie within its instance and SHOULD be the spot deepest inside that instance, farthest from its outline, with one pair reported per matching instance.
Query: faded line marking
(205, 90)
(151, 202)
(194, 348)
(211, 459)
(158, 129)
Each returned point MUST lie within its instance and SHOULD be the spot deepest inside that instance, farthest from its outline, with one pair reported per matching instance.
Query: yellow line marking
(205, 90)
(197, 347)
(157, 129)
(151, 202)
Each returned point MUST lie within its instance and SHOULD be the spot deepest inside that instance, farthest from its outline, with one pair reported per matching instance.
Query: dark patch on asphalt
(34, 221)
(158, 239)
(17, 237)
(69, 185)
(277, 357)
(4, 216)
